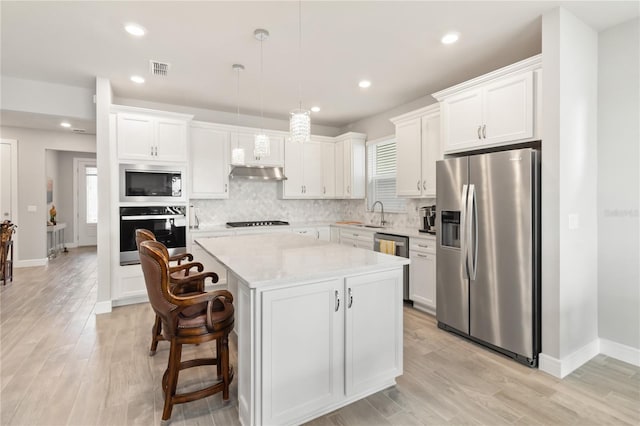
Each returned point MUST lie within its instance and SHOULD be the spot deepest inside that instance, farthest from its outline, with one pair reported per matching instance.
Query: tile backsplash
(251, 200)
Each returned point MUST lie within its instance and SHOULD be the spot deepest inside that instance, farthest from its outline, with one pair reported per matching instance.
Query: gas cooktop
(257, 223)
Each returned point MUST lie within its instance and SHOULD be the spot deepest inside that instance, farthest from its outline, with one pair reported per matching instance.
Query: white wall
(619, 184)
(32, 182)
(221, 117)
(569, 182)
(51, 172)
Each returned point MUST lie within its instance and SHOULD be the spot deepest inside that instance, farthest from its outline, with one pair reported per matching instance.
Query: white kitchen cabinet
(495, 109)
(324, 233)
(304, 171)
(149, 137)
(418, 148)
(373, 325)
(245, 139)
(316, 232)
(318, 340)
(209, 162)
(422, 274)
(350, 166)
(357, 238)
(329, 170)
(289, 385)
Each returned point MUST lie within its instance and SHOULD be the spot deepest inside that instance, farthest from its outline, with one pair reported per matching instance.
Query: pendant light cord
(261, 88)
(300, 53)
(238, 96)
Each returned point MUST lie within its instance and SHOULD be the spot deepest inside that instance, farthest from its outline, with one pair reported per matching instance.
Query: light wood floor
(61, 364)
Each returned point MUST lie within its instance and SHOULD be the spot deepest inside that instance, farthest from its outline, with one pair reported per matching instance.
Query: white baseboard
(71, 245)
(620, 352)
(30, 263)
(563, 367)
(103, 307)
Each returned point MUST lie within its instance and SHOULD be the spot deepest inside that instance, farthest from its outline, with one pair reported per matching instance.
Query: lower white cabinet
(318, 340)
(316, 232)
(422, 274)
(360, 238)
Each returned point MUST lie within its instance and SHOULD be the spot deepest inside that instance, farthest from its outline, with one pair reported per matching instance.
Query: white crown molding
(351, 135)
(433, 109)
(529, 64)
(158, 113)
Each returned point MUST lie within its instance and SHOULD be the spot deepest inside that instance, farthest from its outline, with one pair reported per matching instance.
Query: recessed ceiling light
(315, 109)
(450, 38)
(137, 79)
(364, 84)
(135, 29)
(65, 124)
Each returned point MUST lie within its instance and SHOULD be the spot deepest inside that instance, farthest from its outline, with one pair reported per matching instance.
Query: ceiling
(394, 44)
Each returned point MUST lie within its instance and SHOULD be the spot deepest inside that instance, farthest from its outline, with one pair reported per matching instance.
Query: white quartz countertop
(280, 259)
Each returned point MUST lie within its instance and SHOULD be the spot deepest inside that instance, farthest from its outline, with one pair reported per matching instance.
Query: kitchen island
(319, 324)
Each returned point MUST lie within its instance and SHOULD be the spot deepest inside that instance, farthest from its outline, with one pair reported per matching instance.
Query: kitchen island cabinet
(319, 324)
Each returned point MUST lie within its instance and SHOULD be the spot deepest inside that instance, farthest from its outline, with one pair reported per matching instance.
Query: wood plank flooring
(61, 364)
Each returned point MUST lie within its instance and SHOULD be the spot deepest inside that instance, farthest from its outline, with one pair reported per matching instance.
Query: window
(381, 176)
(91, 176)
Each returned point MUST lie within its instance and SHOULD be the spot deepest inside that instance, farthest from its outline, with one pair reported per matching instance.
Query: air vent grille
(159, 68)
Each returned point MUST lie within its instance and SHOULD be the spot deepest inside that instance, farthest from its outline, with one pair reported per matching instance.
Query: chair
(187, 319)
(6, 251)
(177, 282)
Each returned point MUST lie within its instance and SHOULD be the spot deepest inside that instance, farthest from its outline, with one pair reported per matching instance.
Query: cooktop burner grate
(256, 223)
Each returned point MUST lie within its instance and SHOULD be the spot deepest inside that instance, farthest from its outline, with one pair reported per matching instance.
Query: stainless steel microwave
(152, 183)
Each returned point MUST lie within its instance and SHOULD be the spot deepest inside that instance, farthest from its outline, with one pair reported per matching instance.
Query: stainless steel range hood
(257, 173)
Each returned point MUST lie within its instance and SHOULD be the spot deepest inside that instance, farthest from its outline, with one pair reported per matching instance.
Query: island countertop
(268, 259)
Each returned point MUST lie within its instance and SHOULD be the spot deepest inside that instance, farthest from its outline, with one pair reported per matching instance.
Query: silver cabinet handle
(348, 189)
(350, 299)
(423, 246)
(463, 230)
(324, 189)
(302, 189)
(424, 185)
(421, 255)
(152, 151)
(226, 186)
(479, 136)
(337, 301)
(484, 131)
(418, 185)
(317, 235)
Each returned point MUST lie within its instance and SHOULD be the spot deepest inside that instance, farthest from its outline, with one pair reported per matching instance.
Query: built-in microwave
(152, 183)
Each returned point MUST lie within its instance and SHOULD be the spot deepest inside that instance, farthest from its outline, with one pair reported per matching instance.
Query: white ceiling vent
(159, 68)
(78, 130)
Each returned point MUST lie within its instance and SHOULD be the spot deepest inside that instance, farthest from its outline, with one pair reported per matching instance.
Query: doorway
(85, 201)
(9, 183)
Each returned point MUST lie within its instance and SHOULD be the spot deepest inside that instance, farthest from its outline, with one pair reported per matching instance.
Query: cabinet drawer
(424, 246)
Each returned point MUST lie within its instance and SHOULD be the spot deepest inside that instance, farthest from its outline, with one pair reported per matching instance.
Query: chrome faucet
(373, 207)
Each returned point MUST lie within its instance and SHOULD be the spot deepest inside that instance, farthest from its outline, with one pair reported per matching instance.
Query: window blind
(381, 177)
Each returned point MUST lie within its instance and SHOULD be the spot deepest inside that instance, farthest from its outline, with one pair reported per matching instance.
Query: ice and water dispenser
(450, 229)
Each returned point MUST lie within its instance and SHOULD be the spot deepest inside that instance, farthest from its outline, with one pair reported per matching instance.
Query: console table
(55, 239)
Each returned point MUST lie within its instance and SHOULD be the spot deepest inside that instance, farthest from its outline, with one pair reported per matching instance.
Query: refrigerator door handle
(472, 232)
(463, 229)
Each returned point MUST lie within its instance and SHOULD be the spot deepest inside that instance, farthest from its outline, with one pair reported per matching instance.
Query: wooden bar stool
(187, 319)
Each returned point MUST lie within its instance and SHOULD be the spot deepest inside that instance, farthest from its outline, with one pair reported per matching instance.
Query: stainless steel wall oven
(168, 223)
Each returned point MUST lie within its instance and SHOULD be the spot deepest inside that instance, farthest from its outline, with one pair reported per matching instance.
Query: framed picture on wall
(49, 190)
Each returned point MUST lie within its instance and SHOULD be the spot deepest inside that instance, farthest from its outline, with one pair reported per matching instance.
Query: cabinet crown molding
(351, 135)
(157, 113)
(428, 110)
(532, 63)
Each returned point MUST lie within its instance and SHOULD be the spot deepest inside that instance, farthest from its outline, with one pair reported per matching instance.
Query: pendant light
(237, 155)
(300, 119)
(261, 143)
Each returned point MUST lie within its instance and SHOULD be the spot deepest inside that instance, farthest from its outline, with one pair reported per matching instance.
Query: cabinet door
(303, 347)
(171, 140)
(346, 167)
(373, 326)
(408, 156)
(431, 152)
(312, 169)
(306, 232)
(329, 170)
(209, 163)
(508, 109)
(358, 159)
(293, 170)
(135, 137)
(351, 242)
(339, 164)
(276, 155)
(364, 244)
(422, 279)
(462, 120)
(324, 233)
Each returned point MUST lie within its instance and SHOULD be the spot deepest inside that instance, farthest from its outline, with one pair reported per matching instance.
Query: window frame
(368, 201)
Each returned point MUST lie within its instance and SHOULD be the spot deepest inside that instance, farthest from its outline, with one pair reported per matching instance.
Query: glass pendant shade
(237, 156)
(261, 145)
(300, 126)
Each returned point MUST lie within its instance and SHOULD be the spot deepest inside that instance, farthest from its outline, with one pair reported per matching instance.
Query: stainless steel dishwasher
(402, 250)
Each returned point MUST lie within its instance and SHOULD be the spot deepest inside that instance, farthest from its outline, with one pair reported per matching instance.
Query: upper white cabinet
(209, 161)
(350, 158)
(418, 148)
(245, 139)
(329, 170)
(145, 136)
(496, 109)
(304, 170)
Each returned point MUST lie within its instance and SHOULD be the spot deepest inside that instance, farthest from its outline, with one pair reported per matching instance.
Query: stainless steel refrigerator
(488, 250)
